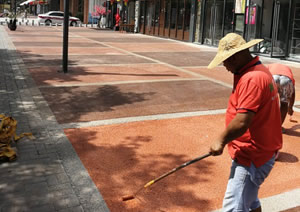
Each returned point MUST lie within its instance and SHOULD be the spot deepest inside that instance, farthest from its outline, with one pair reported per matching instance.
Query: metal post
(93, 13)
(65, 36)
(15, 8)
(193, 21)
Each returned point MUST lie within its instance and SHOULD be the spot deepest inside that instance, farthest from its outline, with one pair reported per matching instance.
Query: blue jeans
(242, 189)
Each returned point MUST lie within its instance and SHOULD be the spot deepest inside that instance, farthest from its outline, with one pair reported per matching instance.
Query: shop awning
(26, 2)
(34, 2)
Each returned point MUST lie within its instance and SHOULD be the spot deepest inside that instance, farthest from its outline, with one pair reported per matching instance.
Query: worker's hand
(217, 148)
(290, 111)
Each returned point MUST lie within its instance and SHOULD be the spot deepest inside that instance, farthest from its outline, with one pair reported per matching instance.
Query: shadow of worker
(285, 157)
(293, 131)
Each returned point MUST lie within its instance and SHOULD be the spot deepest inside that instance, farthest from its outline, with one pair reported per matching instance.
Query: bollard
(19, 23)
(80, 24)
(86, 25)
(32, 23)
(39, 24)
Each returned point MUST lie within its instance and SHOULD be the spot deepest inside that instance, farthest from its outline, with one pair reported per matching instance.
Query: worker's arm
(291, 104)
(236, 128)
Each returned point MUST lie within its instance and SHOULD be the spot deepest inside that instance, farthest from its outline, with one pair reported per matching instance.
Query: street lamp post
(65, 36)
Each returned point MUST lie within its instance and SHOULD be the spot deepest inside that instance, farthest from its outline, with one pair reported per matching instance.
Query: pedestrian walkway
(130, 108)
(48, 175)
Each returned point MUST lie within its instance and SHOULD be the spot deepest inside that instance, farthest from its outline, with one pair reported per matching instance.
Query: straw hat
(229, 45)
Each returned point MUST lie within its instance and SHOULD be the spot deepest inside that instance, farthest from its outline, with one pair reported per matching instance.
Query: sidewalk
(130, 108)
(48, 175)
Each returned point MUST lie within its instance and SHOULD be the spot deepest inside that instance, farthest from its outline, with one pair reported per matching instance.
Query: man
(285, 82)
(253, 125)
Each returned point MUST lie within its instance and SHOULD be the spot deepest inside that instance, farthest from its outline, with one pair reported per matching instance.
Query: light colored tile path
(142, 118)
(280, 202)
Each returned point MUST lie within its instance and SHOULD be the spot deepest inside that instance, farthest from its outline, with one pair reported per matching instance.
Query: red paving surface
(155, 47)
(105, 73)
(91, 103)
(72, 50)
(79, 60)
(121, 158)
(132, 154)
(182, 59)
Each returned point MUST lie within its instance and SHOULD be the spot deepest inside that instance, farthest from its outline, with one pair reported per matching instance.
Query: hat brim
(222, 56)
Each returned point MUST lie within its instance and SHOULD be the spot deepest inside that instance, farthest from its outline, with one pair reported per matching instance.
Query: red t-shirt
(279, 69)
(254, 90)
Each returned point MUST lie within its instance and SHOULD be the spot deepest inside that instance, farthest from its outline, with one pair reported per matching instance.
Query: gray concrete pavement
(48, 175)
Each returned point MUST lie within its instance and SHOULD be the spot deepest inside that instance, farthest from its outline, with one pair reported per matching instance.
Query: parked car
(56, 17)
(4, 14)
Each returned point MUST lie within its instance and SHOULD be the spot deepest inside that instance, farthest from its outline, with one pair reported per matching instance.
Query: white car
(56, 17)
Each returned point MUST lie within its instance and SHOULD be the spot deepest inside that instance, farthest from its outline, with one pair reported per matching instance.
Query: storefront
(276, 21)
(269, 20)
(216, 20)
(165, 18)
(207, 21)
(36, 7)
(294, 40)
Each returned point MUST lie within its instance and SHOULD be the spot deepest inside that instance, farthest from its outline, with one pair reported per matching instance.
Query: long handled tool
(129, 197)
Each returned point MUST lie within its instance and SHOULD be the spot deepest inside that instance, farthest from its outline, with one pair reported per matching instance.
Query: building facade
(207, 21)
(88, 11)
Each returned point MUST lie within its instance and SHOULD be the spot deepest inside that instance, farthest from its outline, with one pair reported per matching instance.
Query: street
(134, 107)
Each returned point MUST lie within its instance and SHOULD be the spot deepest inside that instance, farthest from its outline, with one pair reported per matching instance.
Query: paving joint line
(149, 118)
(120, 82)
(91, 65)
(142, 118)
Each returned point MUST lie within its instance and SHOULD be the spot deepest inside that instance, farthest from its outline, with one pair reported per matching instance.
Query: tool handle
(176, 169)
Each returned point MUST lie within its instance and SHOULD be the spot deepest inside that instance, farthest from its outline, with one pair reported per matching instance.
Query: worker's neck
(244, 60)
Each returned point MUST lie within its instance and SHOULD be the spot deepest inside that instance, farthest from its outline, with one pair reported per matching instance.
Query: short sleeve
(248, 97)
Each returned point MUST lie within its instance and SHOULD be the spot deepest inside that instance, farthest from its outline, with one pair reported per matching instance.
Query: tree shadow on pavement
(69, 104)
(37, 60)
(121, 167)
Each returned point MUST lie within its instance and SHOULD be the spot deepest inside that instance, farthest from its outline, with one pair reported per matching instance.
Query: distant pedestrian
(118, 19)
(285, 82)
(103, 22)
(253, 125)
